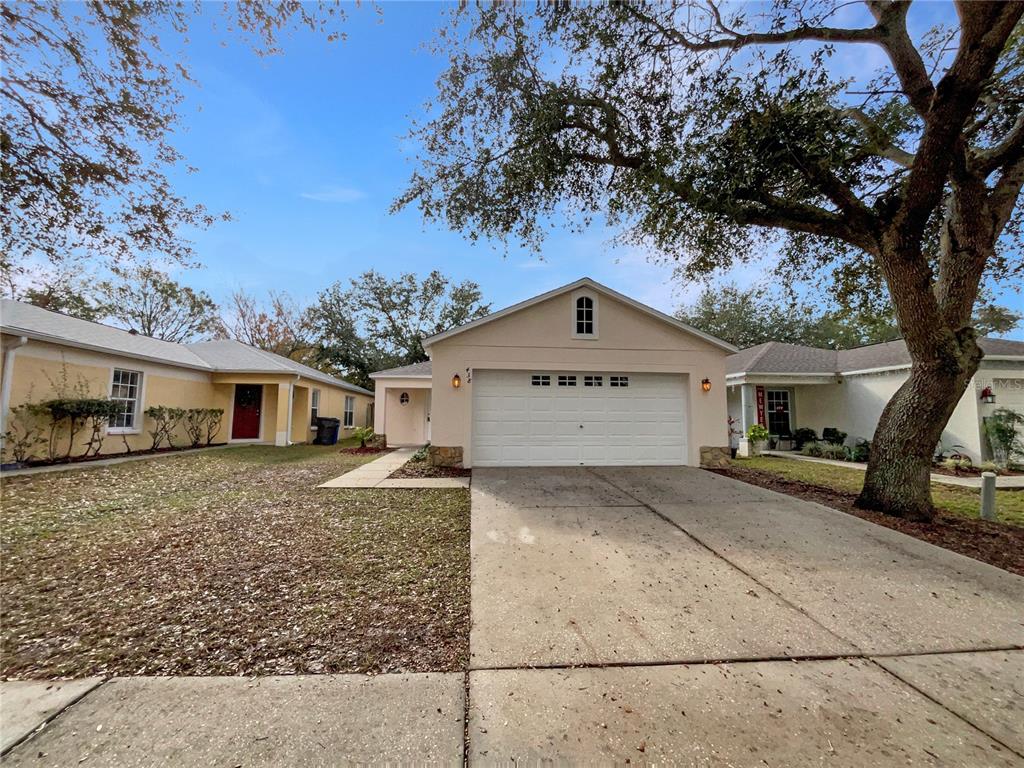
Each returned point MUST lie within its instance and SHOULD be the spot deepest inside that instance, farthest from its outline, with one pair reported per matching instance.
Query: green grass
(959, 501)
(230, 562)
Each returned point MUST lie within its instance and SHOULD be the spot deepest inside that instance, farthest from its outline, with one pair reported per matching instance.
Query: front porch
(267, 410)
(784, 405)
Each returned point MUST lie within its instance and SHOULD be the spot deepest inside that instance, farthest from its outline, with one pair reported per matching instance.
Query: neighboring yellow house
(266, 398)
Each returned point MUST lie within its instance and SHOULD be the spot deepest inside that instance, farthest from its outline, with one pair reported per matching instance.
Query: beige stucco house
(266, 398)
(581, 375)
(788, 386)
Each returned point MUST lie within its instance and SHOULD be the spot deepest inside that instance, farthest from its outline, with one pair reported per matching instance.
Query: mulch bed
(230, 563)
(367, 451)
(994, 543)
(417, 469)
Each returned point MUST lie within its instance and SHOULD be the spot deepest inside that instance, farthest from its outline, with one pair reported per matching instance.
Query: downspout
(5, 387)
(291, 403)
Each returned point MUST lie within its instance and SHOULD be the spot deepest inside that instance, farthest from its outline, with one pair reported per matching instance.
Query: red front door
(246, 422)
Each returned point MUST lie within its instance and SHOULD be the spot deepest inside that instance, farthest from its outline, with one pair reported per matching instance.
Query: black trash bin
(327, 430)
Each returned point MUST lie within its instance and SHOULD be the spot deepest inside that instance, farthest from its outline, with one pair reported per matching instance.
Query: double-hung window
(125, 389)
(350, 411)
(314, 406)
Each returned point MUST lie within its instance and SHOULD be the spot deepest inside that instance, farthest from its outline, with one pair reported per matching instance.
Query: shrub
(989, 466)
(25, 432)
(362, 434)
(803, 436)
(833, 451)
(422, 453)
(166, 420)
(812, 449)
(860, 451)
(1002, 428)
(75, 414)
(833, 435)
(757, 433)
(202, 423)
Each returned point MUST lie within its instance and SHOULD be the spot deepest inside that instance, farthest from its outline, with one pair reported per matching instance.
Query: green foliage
(859, 451)
(833, 435)
(202, 424)
(150, 302)
(74, 414)
(25, 433)
(802, 436)
(813, 449)
(362, 434)
(377, 323)
(757, 433)
(754, 316)
(1003, 429)
(421, 454)
(165, 420)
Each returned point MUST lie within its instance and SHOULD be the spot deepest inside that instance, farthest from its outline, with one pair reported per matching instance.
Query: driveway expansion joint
(54, 715)
(729, 562)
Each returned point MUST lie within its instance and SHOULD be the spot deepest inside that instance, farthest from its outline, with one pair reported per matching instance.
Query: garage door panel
(517, 424)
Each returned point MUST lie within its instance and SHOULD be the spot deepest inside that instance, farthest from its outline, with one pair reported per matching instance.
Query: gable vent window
(618, 381)
(584, 316)
(540, 380)
(567, 381)
(592, 381)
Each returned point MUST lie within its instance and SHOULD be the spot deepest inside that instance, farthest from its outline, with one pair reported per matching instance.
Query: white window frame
(136, 427)
(314, 406)
(540, 380)
(593, 381)
(349, 415)
(594, 314)
(618, 382)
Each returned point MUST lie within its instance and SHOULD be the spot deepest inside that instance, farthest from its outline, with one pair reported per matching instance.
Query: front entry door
(246, 422)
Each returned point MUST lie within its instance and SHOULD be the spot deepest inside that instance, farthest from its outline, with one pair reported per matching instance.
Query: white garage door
(552, 418)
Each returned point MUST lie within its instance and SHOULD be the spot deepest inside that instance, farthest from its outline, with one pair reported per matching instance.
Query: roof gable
(583, 283)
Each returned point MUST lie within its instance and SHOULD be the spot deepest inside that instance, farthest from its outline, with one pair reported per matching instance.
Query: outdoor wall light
(706, 385)
(987, 395)
(456, 381)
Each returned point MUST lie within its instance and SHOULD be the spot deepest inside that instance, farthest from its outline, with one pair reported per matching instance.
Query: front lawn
(955, 527)
(230, 562)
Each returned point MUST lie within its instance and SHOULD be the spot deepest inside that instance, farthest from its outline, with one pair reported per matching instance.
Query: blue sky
(305, 151)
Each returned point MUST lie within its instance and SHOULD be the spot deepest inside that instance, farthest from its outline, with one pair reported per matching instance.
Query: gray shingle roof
(416, 369)
(234, 356)
(23, 319)
(226, 356)
(777, 357)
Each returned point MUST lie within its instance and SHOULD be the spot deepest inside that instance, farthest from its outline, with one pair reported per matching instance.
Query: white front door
(564, 418)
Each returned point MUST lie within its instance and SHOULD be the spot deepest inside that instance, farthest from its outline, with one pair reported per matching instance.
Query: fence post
(988, 495)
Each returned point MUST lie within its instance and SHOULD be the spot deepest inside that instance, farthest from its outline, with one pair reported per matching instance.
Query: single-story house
(580, 375)
(788, 386)
(266, 398)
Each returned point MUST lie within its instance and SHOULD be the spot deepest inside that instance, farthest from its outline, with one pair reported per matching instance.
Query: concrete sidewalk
(375, 474)
(269, 721)
(1002, 481)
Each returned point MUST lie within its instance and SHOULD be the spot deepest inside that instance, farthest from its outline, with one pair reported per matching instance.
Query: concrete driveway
(670, 614)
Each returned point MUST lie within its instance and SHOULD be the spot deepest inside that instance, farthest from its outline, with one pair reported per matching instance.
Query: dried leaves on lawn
(231, 562)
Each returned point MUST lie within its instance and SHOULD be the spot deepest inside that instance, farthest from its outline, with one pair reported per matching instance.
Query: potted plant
(758, 436)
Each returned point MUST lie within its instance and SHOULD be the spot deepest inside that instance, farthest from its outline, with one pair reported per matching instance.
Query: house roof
(779, 358)
(228, 355)
(415, 371)
(20, 319)
(583, 282)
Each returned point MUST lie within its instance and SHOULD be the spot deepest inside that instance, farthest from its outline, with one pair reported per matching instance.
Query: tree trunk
(898, 477)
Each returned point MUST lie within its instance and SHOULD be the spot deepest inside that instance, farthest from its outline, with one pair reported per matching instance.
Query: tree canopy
(148, 301)
(376, 322)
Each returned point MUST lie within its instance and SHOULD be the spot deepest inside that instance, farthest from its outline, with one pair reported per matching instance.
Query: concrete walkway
(1002, 481)
(374, 474)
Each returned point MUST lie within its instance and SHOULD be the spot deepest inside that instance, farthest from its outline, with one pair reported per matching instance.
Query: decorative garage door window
(618, 381)
(778, 411)
(540, 380)
(567, 381)
(592, 381)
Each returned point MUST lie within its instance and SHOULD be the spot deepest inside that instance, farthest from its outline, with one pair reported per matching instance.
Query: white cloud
(334, 194)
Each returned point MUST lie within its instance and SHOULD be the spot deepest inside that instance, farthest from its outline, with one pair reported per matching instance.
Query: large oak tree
(706, 134)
